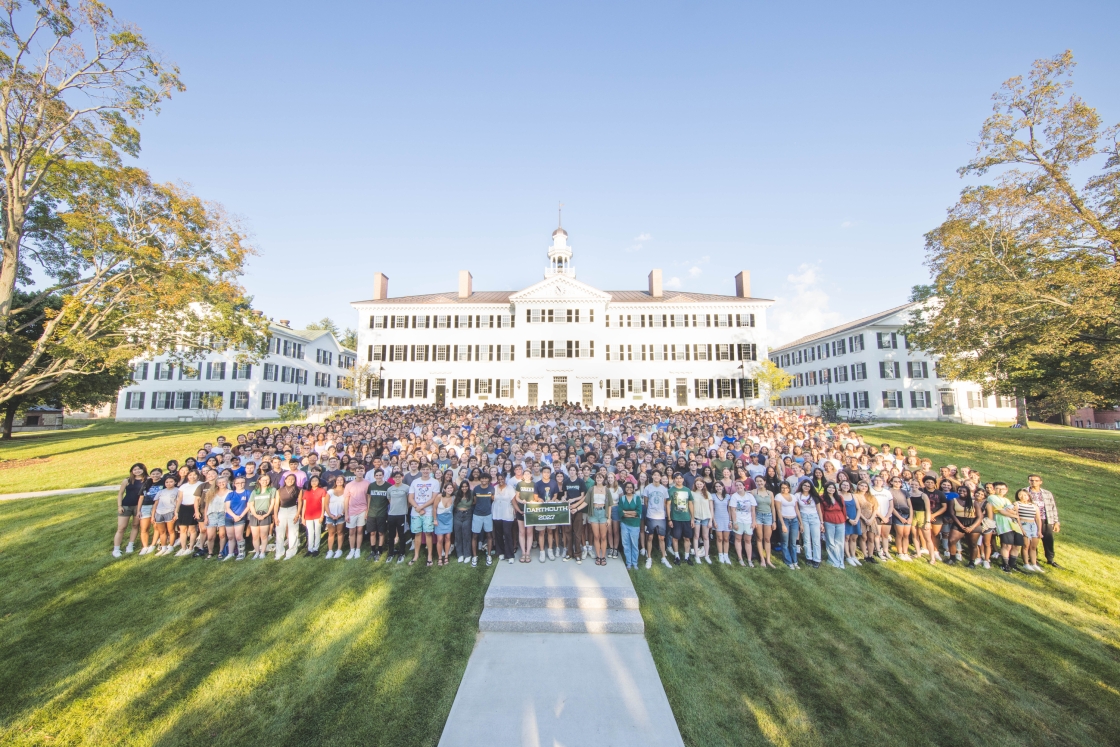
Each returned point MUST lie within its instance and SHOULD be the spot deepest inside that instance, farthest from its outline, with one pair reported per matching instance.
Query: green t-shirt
(678, 500)
(719, 465)
(633, 503)
(1003, 523)
(526, 491)
(379, 499)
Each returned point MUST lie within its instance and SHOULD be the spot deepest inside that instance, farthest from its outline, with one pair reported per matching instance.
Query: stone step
(560, 597)
(562, 620)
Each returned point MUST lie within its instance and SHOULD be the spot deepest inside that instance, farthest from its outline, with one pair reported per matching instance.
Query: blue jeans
(630, 544)
(789, 549)
(811, 535)
(834, 538)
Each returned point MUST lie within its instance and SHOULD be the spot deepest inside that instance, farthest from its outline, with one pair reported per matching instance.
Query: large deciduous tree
(1026, 270)
(136, 268)
(73, 83)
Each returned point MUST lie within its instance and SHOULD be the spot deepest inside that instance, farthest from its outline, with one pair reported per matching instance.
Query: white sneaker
(987, 564)
(501, 557)
(707, 558)
(462, 558)
(228, 557)
(175, 543)
(649, 563)
(542, 556)
(511, 561)
(129, 548)
(665, 562)
(642, 551)
(490, 559)
(904, 556)
(116, 552)
(241, 556)
(551, 555)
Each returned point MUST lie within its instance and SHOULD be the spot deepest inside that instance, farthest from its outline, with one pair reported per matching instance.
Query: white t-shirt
(885, 499)
(502, 509)
(656, 496)
(743, 503)
(189, 491)
(423, 492)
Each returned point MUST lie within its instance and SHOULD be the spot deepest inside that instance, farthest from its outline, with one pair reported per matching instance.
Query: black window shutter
(711, 385)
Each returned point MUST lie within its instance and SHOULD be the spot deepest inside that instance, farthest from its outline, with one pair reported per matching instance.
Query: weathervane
(560, 215)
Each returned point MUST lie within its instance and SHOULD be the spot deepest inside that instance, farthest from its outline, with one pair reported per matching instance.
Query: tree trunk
(1021, 411)
(9, 263)
(9, 417)
(1067, 418)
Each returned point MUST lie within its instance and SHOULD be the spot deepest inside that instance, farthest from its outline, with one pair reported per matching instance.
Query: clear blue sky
(812, 144)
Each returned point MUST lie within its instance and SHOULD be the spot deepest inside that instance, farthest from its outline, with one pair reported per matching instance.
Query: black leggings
(503, 535)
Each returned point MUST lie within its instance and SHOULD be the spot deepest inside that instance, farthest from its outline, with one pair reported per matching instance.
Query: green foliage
(772, 380)
(1026, 277)
(291, 411)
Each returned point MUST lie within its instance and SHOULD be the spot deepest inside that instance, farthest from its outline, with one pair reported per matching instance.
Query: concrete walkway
(561, 660)
(46, 493)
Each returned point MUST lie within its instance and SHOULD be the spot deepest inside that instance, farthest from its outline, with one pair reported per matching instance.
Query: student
(964, 524)
(215, 508)
(378, 515)
(630, 506)
(721, 517)
(445, 519)
(464, 514)
(237, 511)
(286, 517)
(901, 512)
(1007, 526)
(763, 521)
(835, 518)
(742, 506)
(656, 497)
(188, 513)
(1030, 520)
(601, 501)
(573, 488)
(396, 528)
(262, 508)
(884, 509)
(702, 518)
(356, 493)
(852, 525)
(680, 518)
(129, 496)
(311, 503)
(790, 521)
(336, 517)
(482, 518)
(422, 496)
(1048, 515)
(548, 491)
(526, 493)
(504, 521)
(166, 508)
(812, 522)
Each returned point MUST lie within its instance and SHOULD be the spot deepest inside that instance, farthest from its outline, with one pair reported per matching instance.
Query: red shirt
(834, 514)
(313, 504)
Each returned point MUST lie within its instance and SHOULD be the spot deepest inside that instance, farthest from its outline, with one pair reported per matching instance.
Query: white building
(562, 340)
(868, 365)
(307, 366)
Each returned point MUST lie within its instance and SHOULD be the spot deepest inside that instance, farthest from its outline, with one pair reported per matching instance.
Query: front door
(948, 403)
(559, 390)
(682, 392)
(588, 391)
(532, 394)
(441, 392)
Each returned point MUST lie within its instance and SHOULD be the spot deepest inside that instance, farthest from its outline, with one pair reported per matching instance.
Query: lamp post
(380, 383)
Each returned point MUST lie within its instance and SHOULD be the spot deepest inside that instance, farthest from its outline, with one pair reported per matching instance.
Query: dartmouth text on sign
(547, 514)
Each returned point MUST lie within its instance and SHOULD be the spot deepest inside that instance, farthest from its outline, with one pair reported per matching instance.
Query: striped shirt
(1028, 512)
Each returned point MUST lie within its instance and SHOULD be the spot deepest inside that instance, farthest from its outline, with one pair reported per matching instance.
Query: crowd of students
(730, 486)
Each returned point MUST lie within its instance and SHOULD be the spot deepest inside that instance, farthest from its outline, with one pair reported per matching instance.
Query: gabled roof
(867, 320)
(310, 335)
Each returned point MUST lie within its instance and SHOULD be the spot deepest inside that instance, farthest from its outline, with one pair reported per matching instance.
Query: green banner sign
(547, 514)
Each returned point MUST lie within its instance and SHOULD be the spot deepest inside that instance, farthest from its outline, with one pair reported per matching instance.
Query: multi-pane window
(462, 388)
(920, 399)
(855, 343)
(702, 391)
(840, 373)
(134, 400)
(723, 352)
(723, 388)
(442, 352)
(216, 371)
(271, 372)
(657, 320)
(825, 376)
(243, 371)
(679, 320)
(322, 379)
(572, 315)
(535, 316)
(164, 371)
(324, 356)
(400, 352)
(377, 322)
(268, 400)
(892, 399)
(484, 321)
(859, 371)
(917, 369)
(811, 378)
(505, 388)
(861, 400)
(839, 347)
(397, 388)
(505, 352)
(886, 340)
(722, 320)
(239, 400)
(700, 352)
(484, 386)
(162, 400)
(188, 372)
(443, 321)
(505, 321)
(660, 388)
(462, 352)
(843, 399)
(535, 349)
(616, 388)
(890, 370)
(400, 321)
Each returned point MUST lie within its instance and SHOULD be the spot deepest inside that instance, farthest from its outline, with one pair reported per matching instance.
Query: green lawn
(178, 651)
(908, 653)
(101, 453)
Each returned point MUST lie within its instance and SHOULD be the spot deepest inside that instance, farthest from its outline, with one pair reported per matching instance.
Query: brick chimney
(655, 283)
(743, 284)
(285, 322)
(465, 283)
(380, 286)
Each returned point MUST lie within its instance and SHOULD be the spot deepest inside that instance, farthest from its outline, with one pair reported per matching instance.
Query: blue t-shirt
(236, 502)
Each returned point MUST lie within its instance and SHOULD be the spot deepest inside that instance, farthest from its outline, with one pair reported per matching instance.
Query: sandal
(412, 562)
(429, 564)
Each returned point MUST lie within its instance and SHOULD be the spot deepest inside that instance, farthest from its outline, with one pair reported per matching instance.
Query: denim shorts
(232, 522)
(216, 520)
(334, 522)
(481, 524)
(657, 526)
(1030, 531)
(146, 511)
(616, 513)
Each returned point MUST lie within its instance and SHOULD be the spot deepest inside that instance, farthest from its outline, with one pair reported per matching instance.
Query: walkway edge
(48, 493)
